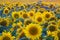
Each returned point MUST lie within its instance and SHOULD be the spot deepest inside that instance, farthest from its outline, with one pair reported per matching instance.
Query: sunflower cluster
(34, 21)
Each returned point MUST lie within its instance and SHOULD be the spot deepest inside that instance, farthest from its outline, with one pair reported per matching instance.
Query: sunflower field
(34, 21)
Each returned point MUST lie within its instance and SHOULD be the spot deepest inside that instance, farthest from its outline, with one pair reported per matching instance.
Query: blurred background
(29, 1)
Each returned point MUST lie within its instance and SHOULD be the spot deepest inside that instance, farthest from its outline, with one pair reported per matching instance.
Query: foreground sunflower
(33, 31)
(6, 36)
(52, 29)
(15, 15)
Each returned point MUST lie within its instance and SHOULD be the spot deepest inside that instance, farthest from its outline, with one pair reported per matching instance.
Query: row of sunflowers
(34, 21)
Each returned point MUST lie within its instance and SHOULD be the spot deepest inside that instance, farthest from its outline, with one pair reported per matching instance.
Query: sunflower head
(7, 3)
(6, 11)
(31, 14)
(27, 21)
(52, 22)
(39, 18)
(1, 19)
(42, 10)
(57, 35)
(20, 35)
(51, 6)
(8, 7)
(52, 29)
(6, 36)
(4, 22)
(19, 23)
(24, 15)
(19, 30)
(33, 31)
(53, 18)
(47, 15)
(15, 15)
(21, 12)
(33, 9)
(58, 24)
(58, 10)
(15, 26)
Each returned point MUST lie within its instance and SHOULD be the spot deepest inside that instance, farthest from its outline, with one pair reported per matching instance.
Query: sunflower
(0, 6)
(19, 23)
(24, 15)
(22, 5)
(53, 18)
(19, 4)
(33, 31)
(47, 15)
(27, 22)
(41, 10)
(31, 14)
(45, 3)
(51, 29)
(33, 9)
(6, 10)
(52, 22)
(19, 30)
(7, 3)
(51, 6)
(58, 23)
(10, 6)
(58, 10)
(39, 18)
(16, 26)
(21, 12)
(16, 4)
(37, 6)
(4, 22)
(20, 35)
(57, 35)
(15, 15)
(0, 19)
(6, 36)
